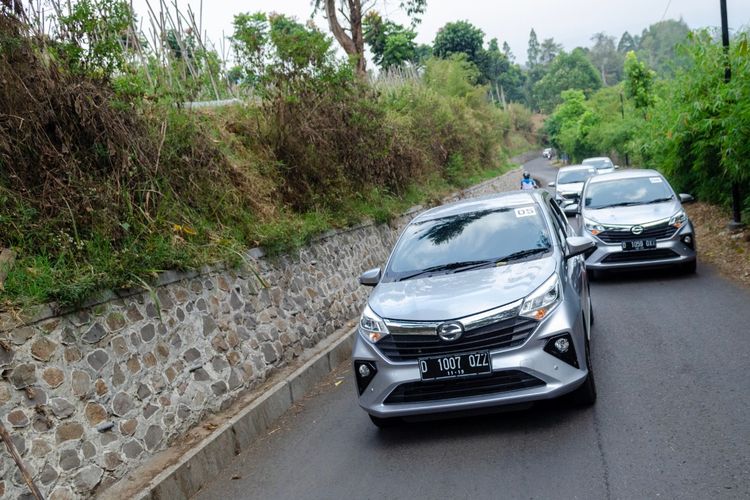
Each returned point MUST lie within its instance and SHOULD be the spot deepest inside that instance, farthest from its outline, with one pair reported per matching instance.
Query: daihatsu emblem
(450, 331)
(636, 230)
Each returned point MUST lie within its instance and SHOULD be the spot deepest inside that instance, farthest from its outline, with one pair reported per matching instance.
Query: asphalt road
(671, 355)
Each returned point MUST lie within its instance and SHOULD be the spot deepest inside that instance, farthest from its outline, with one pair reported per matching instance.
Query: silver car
(482, 303)
(636, 220)
(602, 164)
(569, 183)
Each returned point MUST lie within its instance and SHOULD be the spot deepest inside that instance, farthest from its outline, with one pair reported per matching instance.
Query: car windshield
(598, 163)
(468, 241)
(573, 176)
(625, 192)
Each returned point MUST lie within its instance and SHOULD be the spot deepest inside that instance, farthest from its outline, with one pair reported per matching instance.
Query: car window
(624, 192)
(560, 221)
(468, 237)
(567, 177)
(598, 163)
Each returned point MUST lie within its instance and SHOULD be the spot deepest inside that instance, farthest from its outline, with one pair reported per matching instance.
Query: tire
(593, 274)
(385, 423)
(591, 312)
(585, 395)
(690, 267)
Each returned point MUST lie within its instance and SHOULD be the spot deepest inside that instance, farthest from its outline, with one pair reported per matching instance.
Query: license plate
(455, 365)
(638, 244)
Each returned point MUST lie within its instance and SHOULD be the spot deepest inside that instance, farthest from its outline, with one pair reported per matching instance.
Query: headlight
(679, 219)
(543, 300)
(593, 227)
(371, 326)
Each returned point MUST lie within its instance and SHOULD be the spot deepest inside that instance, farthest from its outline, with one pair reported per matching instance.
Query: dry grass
(728, 252)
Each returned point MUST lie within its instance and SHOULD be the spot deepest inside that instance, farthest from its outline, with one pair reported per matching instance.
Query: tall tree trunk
(353, 45)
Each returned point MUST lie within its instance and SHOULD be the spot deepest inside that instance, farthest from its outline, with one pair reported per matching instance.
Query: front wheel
(690, 267)
(585, 395)
(384, 423)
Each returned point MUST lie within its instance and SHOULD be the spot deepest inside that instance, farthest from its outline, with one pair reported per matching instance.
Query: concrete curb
(201, 464)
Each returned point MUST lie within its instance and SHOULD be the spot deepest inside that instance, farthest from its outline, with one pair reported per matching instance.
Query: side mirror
(686, 198)
(571, 210)
(552, 184)
(370, 277)
(578, 245)
(617, 167)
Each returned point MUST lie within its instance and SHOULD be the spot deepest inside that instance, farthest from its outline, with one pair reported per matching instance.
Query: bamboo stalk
(19, 463)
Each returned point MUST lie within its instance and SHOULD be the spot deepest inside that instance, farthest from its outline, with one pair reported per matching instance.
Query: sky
(569, 22)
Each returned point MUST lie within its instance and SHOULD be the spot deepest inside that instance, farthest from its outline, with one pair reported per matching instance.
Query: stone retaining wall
(89, 395)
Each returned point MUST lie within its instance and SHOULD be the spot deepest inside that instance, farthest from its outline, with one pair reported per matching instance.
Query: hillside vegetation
(693, 126)
(105, 179)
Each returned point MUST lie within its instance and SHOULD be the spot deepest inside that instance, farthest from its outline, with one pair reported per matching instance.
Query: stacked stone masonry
(88, 396)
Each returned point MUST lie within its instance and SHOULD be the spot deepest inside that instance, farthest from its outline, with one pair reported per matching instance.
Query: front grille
(498, 382)
(501, 335)
(639, 255)
(660, 232)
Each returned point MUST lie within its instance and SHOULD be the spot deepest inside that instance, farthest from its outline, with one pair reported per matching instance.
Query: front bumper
(669, 252)
(558, 377)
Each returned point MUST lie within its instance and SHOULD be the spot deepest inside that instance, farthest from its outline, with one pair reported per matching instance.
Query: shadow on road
(672, 274)
(544, 415)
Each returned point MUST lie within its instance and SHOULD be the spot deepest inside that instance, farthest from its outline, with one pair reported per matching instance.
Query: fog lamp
(562, 348)
(365, 371)
(562, 345)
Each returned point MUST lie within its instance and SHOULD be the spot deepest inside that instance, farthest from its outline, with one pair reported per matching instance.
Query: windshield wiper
(453, 266)
(621, 204)
(658, 200)
(524, 253)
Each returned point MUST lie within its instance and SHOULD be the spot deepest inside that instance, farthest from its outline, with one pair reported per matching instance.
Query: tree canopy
(568, 71)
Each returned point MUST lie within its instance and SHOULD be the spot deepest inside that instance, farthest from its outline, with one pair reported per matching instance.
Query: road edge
(200, 465)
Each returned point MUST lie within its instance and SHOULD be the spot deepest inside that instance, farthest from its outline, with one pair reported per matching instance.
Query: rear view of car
(603, 165)
(547, 153)
(636, 220)
(569, 183)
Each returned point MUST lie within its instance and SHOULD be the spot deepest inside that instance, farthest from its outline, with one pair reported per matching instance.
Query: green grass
(75, 276)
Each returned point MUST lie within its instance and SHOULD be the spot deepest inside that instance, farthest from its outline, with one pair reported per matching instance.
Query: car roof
(570, 168)
(491, 202)
(598, 158)
(630, 173)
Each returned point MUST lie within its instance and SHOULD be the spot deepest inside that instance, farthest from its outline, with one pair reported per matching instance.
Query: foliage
(533, 51)
(627, 43)
(390, 43)
(639, 81)
(606, 58)
(700, 125)
(548, 51)
(91, 36)
(658, 46)
(460, 37)
(567, 71)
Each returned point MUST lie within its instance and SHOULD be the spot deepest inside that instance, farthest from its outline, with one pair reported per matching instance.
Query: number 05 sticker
(525, 212)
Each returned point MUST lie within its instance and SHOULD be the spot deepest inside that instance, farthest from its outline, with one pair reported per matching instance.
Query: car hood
(453, 296)
(638, 214)
(572, 187)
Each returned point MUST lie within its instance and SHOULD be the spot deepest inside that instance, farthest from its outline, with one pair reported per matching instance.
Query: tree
(493, 63)
(605, 57)
(567, 71)
(532, 53)
(548, 51)
(627, 43)
(569, 126)
(391, 44)
(508, 53)
(460, 37)
(351, 37)
(639, 81)
(658, 46)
